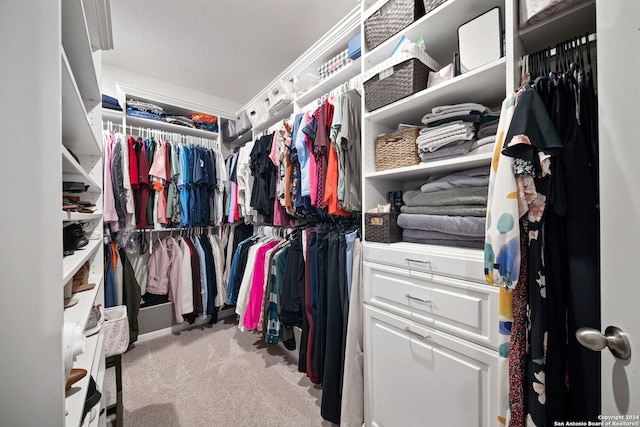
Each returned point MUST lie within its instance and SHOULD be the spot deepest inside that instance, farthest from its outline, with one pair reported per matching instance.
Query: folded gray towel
(453, 243)
(476, 177)
(463, 210)
(436, 235)
(453, 149)
(451, 197)
(488, 129)
(459, 225)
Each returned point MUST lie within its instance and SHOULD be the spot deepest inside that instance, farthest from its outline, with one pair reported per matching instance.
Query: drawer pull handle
(420, 336)
(410, 260)
(424, 301)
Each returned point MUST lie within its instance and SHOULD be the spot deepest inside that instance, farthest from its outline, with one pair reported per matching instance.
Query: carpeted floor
(214, 376)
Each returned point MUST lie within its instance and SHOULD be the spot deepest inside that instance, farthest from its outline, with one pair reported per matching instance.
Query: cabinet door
(417, 376)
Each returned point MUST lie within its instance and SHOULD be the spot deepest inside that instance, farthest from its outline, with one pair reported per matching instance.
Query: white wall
(112, 75)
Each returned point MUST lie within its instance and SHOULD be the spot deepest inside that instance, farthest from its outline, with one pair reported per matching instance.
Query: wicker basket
(382, 227)
(397, 149)
(429, 5)
(408, 77)
(390, 19)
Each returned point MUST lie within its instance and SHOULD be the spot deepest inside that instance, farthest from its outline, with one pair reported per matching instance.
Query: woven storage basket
(397, 149)
(408, 77)
(429, 5)
(382, 227)
(116, 330)
(391, 18)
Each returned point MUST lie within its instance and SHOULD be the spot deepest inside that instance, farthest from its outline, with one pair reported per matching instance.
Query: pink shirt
(254, 306)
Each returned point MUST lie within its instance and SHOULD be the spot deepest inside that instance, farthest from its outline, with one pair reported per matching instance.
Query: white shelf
(335, 80)
(77, 216)
(113, 115)
(563, 25)
(75, 39)
(77, 394)
(241, 139)
(72, 263)
(285, 113)
(169, 127)
(424, 169)
(438, 28)
(80, 311)
(485, 85)
(71, 167)
(76, 129)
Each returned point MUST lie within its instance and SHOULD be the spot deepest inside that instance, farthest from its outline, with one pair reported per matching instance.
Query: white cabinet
(419, 376)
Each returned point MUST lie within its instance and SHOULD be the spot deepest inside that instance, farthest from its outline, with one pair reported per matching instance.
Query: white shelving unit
(81, 111)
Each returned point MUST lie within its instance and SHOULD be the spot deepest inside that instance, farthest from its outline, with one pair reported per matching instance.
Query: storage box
(243, 123)
(390, 19)
(334, 65)
(355, 47)
(382, 227)
(280, 95)
(258, 113)
(228, 130)
(397, 149)
(532, 11)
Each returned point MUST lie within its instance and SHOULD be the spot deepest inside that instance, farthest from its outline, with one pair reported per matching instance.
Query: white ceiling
(226, 48)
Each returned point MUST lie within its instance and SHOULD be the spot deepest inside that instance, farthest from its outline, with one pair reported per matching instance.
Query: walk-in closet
(361, 213)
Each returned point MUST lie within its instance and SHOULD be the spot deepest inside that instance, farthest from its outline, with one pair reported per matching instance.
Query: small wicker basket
(382, 227)
(397, 149)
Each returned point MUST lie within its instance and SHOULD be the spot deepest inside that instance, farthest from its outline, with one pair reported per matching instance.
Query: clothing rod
(552, 51)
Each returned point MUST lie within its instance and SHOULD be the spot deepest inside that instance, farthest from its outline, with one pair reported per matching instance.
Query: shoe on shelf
(81, 280)
(95, 321)
(75, 375)
(73, 238)
(70, 302)
(93, 397)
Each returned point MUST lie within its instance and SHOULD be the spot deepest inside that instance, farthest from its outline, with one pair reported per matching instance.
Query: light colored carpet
(214, 376)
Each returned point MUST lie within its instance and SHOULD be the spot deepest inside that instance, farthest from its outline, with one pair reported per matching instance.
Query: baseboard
(154, 321)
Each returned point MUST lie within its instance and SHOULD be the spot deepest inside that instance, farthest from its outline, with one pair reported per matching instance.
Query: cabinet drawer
(465, 264)
(418, 376)
(466, 309)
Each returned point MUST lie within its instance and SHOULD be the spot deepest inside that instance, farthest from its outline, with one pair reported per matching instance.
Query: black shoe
(93, 398)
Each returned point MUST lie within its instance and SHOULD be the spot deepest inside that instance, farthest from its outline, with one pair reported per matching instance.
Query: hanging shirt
(186, 289)
(109, 204)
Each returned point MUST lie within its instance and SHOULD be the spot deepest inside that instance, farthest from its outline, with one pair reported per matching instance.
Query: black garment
(292, 295)
(333, 357)
(321, 324)
(264, 173)
(582, 240)
(212, 289)
(149, 299)
(242, 263)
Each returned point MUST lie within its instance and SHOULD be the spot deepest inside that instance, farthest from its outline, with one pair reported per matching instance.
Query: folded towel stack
(449, 209)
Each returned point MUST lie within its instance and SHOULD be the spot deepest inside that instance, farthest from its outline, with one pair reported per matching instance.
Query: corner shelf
(335, 80)
(75, 40)
(76, 129)
(423, 169)
(72, 263)
(71, 167)
(438, 28)
(484, 85)
(169, 127)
